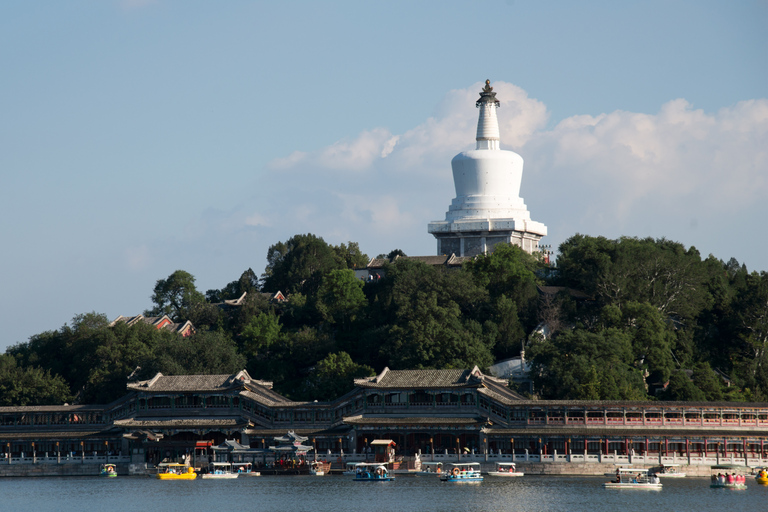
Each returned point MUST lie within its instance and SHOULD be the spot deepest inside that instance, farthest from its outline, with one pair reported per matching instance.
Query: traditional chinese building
(427, 412)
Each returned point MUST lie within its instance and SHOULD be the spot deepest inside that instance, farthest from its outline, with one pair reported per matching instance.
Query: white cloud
(678, 173)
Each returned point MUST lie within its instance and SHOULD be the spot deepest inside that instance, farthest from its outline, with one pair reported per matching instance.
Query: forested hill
(622, 318)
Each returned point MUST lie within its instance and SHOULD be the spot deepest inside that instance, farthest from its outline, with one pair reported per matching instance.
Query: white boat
(319, 468)
(670, 471)
(350, 470)
(505, 469)
(430, 469)
(220, 471)
(616, 471)
(244, 469)
(372, 472)
(467, 472)
(728, 477)
(634, 478)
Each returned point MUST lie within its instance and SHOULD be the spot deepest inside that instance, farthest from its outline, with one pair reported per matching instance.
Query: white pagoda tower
(487, 209)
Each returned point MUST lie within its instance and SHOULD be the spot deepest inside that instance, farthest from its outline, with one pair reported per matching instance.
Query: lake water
(341, 494)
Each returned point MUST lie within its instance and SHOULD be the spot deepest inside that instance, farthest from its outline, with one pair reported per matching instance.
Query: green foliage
(655, 312)
(208, 352)
(351, 255)
(430, 316)
(681, 389)
(176, 296)
(260, 334)
(340, 297)
(26, 386)
(579, 365)
(299, 264)
(509, 271)
(334, 376)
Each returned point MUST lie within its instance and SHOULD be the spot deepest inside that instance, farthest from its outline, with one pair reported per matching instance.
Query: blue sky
(138, 137)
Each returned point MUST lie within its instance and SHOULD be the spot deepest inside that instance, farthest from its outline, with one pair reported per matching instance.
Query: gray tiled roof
(413, 420)
(182, 422)
(652, 432)
(162, 382)
(418, 379)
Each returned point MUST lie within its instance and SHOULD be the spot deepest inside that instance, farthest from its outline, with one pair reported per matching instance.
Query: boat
(430, 468)
(244, 469)
(219, 471)
(174, 471)
(372, 472)
(728, 476)
(670, 471)
(319, 468)
(505, 469)
(634, 478)
(108, 470)
(467, 472)
(761, 476)
(350, 470)
(616, 472)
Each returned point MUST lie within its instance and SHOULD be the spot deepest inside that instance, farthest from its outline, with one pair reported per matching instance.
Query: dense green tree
(510, 332)
(340, 298)
(334, 376)
(430, 313)
(580, 365)
(351, 255)
(751, 315)
(28, 386)
(299, 264)
(681, 389)
(175, 296)
(659, 272)
(205, 353)
(509, 271)
(261, 333)
(708, 382)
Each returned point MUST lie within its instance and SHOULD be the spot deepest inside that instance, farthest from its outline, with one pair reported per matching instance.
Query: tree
(580, 365)
(334, 376)
(508, 271)
(431, 317)
(176, 296)
(299, 264)
(30, 386)
(340, 297)
(261, 333)
(681, 389)
(204, 353)
(351, 255)
(248, 283)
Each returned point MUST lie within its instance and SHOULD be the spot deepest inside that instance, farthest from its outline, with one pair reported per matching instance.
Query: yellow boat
(172, 471)
(762, 476)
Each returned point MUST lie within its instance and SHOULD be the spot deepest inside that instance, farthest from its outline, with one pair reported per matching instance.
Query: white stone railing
(561, 458)
(65, 458)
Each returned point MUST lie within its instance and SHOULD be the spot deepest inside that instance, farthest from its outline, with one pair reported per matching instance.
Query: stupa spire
(487, 123)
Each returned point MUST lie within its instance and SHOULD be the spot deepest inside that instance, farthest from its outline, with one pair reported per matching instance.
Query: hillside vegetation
(620, 319)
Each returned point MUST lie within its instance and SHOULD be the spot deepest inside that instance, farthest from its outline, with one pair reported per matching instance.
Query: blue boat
(372, 472)
(468, 472)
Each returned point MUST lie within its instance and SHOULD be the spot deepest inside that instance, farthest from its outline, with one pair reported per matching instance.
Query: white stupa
(488, 209)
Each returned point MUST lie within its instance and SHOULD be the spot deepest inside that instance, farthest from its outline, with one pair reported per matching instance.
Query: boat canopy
(383, 442)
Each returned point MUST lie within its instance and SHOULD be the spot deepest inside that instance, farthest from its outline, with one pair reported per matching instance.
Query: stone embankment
(56, 469)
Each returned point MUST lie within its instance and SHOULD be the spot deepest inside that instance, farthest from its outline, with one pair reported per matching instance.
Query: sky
(140, 137)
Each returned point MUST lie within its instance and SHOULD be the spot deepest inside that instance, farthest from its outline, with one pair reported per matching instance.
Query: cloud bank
(695, 177)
